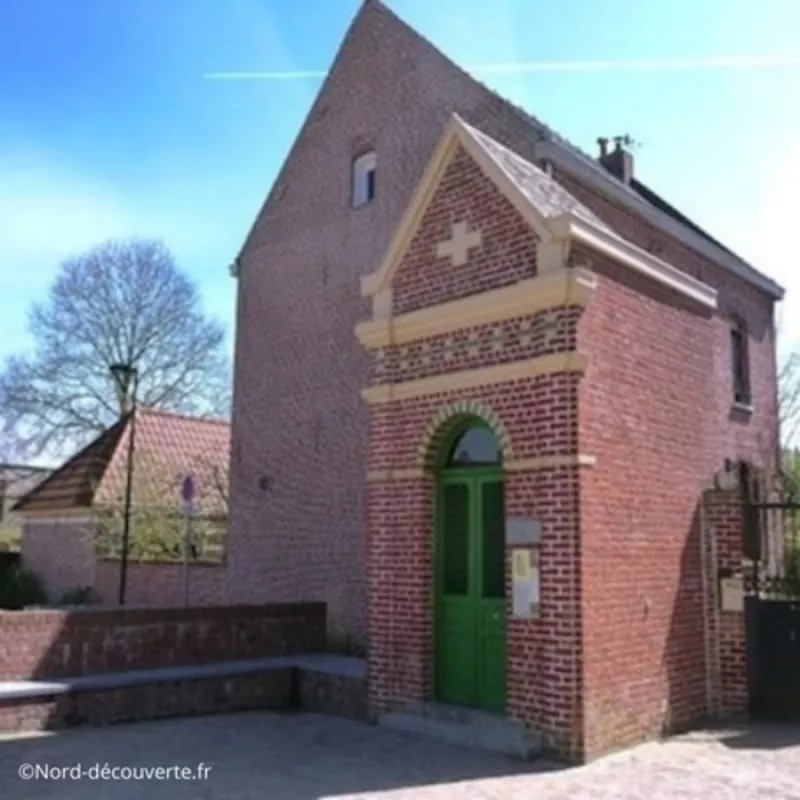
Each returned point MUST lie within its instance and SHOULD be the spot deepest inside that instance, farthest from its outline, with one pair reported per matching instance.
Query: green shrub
(21, 587)
(77, 596)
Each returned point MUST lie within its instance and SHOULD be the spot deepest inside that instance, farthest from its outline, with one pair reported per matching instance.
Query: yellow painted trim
(440, 422)
(473, 378)
(387, 475)
(635, 258)
(573, 287)
(456, 134)
(442, 156)
(549, 462)
(513, 465)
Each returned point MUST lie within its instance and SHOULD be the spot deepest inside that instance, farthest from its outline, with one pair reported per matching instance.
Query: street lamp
(127, 380)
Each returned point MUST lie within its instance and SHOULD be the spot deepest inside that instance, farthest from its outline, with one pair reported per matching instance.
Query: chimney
(619, 162)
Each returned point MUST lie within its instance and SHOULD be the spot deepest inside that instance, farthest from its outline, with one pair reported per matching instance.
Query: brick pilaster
(727, 634)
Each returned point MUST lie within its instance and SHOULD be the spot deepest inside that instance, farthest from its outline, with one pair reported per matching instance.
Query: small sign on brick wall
(525, 583)
(731, 593)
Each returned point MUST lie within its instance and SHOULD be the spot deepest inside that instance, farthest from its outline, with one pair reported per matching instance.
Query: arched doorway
(470, 610)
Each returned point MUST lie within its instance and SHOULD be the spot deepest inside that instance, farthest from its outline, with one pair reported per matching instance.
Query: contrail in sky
(521, 67)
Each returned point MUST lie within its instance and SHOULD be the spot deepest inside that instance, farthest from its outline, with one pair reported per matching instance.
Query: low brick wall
(55, 644)
(268, 691)
(285, 688)
(160, 585)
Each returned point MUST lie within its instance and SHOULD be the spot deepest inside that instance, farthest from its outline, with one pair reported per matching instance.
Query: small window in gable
(740, 363)
(364, 168)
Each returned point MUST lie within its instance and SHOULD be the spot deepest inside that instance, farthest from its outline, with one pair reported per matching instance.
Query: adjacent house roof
(166, 446)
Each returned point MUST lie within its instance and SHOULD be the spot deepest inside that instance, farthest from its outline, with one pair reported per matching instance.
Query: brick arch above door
(449, 414)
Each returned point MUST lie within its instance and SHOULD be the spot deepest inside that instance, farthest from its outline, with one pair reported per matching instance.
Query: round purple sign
(187, 489)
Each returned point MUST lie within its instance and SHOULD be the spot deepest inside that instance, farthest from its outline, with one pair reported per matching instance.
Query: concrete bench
(315, 682)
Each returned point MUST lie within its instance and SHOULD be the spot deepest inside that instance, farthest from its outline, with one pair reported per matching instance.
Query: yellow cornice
(572, 287)
(549, 462)
(510, 466)
(389, 475)
(473, 378)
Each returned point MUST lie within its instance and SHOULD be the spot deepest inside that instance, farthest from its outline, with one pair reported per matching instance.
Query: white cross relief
(459, 245)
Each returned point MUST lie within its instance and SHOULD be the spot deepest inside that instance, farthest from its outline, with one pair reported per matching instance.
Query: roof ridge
(161, 412)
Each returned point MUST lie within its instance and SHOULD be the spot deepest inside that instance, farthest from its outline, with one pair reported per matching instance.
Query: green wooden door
(470, 589)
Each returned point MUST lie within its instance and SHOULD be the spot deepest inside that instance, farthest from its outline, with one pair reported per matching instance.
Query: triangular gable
(457, 134)
(553, 213)
(73, 485)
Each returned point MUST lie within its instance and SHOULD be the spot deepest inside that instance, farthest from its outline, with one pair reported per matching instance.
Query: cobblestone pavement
(265, 756)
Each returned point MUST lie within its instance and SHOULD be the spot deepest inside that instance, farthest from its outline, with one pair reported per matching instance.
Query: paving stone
(275, 756)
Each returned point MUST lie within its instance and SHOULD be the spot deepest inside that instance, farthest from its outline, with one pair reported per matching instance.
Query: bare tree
(124, 302)
(789, 398)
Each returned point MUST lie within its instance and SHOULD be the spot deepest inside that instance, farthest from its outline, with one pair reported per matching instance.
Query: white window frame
(363, 166)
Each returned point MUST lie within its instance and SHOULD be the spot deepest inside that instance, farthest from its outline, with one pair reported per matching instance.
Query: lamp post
(127, 379)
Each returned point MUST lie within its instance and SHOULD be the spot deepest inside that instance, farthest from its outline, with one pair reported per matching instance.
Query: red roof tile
(166, 446)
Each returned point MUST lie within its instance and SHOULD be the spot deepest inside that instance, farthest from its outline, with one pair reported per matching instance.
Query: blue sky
(108, 127)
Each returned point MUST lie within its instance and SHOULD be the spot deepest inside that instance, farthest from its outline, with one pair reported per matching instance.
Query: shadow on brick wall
(685, 651)
(52, 645)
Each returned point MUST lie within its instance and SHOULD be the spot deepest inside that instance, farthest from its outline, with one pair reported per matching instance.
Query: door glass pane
(455, 539)
(494, 540)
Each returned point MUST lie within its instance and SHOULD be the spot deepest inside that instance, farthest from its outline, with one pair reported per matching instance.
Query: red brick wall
(656, 411)
(537, 412)
(50, 644)
(539, 417)
(539, 334)
(506, 255)
(728, 634)
(298, 420)
(543, 654)
(161, 585)
(62, 554)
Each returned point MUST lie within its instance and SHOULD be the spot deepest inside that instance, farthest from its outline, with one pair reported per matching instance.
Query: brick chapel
(482, 382)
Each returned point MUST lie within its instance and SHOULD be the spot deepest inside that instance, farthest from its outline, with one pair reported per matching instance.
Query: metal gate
(772, 591)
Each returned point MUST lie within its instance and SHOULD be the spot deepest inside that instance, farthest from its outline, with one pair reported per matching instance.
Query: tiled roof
(72, 485)
(546, 194)
(165, 447)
